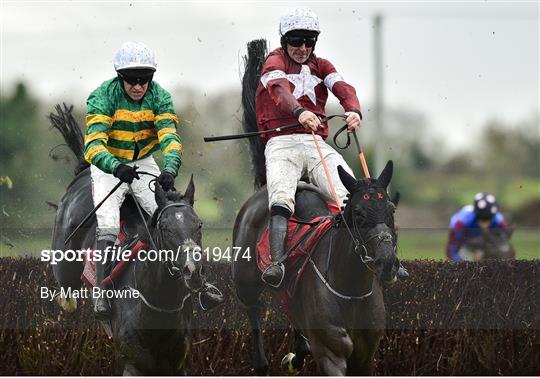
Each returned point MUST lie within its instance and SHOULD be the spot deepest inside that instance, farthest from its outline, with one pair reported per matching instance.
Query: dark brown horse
(338, 307)
(151, 332)
(491, 244)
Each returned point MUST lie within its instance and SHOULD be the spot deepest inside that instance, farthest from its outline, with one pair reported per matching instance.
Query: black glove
(126, 173)
(166, 180)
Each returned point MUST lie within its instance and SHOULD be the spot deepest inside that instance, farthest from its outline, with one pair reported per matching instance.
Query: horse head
(369, 213)
(176, 227)
(497, 244)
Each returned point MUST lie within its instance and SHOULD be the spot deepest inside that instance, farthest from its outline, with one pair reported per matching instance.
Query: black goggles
(297, 41)
(134, 80)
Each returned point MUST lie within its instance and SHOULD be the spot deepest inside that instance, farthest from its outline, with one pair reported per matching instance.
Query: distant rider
(128, 118)
(468, 223)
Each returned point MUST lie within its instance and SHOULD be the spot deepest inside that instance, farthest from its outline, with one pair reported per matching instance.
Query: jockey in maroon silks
(294, 88)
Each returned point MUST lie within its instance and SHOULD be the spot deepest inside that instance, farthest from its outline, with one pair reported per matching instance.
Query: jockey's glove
(166, 180)
(126, 173)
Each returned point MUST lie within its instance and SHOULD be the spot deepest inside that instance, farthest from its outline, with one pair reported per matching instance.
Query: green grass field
(431, 244)
(412, 244)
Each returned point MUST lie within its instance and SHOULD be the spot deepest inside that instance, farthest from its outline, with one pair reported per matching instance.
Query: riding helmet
(134, 55)
(485, 205)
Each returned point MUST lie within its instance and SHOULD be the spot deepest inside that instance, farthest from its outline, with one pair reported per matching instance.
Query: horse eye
(200, 224)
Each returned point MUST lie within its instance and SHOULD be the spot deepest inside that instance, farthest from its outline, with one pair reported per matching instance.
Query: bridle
(360, 250)
(173, 270)
(360, 242)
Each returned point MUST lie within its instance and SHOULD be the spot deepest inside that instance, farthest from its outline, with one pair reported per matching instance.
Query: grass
(413, 243)
(458, 190)
(431, 244)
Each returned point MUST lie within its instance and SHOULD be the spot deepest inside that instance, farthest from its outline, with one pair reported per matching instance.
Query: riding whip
(361, 155)
(348, 143)
(263, 132)
(92, 212)
(83, 222)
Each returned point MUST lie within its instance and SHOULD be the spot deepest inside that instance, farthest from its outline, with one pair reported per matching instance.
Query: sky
(461, 63)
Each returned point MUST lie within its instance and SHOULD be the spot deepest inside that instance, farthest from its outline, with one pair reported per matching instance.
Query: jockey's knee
(280, 209)
(106, 234)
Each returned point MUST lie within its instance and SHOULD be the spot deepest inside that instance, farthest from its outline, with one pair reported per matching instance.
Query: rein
(150, 305)
(173, 270)
(359, 243)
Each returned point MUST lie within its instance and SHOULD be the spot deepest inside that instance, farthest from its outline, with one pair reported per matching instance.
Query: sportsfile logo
(115, 254)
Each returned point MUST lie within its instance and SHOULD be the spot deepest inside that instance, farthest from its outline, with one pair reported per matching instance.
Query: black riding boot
(102, 307)
(274, 274)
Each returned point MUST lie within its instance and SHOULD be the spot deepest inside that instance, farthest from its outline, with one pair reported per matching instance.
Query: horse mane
(64, 122)
(257, 51)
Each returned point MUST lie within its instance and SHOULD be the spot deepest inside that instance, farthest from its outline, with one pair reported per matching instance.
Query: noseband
(360, 243)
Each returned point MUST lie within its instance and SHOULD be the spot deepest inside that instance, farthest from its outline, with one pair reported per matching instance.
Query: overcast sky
(461, 63)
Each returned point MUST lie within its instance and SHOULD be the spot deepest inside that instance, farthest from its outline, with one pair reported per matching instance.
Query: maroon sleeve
(274, 79)
(335, 83)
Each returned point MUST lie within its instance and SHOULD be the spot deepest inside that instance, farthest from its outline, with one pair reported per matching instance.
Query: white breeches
(108, 215)
(290, 157)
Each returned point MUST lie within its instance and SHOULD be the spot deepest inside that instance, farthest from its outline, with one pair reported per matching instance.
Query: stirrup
(282, 275)
(402, 272)
(103, 315)
(209, 286)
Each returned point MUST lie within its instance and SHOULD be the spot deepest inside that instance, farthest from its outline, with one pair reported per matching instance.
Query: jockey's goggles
(136, 78)
(297, 41)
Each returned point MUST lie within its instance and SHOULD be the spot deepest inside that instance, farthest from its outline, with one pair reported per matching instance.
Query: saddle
(133, 244)
(302, 238)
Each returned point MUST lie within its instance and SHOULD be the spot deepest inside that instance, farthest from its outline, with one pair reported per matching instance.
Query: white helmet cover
(299, 19)
(133, 55)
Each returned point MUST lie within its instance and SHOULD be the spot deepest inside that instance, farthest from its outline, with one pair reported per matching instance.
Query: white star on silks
(304, 84)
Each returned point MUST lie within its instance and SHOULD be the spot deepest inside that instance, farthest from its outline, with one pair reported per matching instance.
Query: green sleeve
(99, 120)
(169, 141)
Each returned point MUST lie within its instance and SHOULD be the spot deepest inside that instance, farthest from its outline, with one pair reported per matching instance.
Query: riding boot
(274, 274)
(102, 307)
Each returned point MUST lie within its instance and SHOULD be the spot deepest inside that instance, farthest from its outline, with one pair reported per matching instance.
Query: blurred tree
(19, 120)
(419, 158)
(511, 152)
(459, 163)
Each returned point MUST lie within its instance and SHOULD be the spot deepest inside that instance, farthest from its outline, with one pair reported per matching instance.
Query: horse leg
(330, 347)
(67, 275)
(361, 361)
(293, 363)
(129, 369)
(260, 362)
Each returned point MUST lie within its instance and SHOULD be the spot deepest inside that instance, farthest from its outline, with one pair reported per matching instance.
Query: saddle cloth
(300, 243)
(88, 275)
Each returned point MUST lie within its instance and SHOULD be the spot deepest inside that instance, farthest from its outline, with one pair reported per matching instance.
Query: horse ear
(386, 175)
(190, 191)
(161, 197)
(348, 181)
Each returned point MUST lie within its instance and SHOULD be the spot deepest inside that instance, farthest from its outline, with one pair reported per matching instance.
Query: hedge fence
(446, 319)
